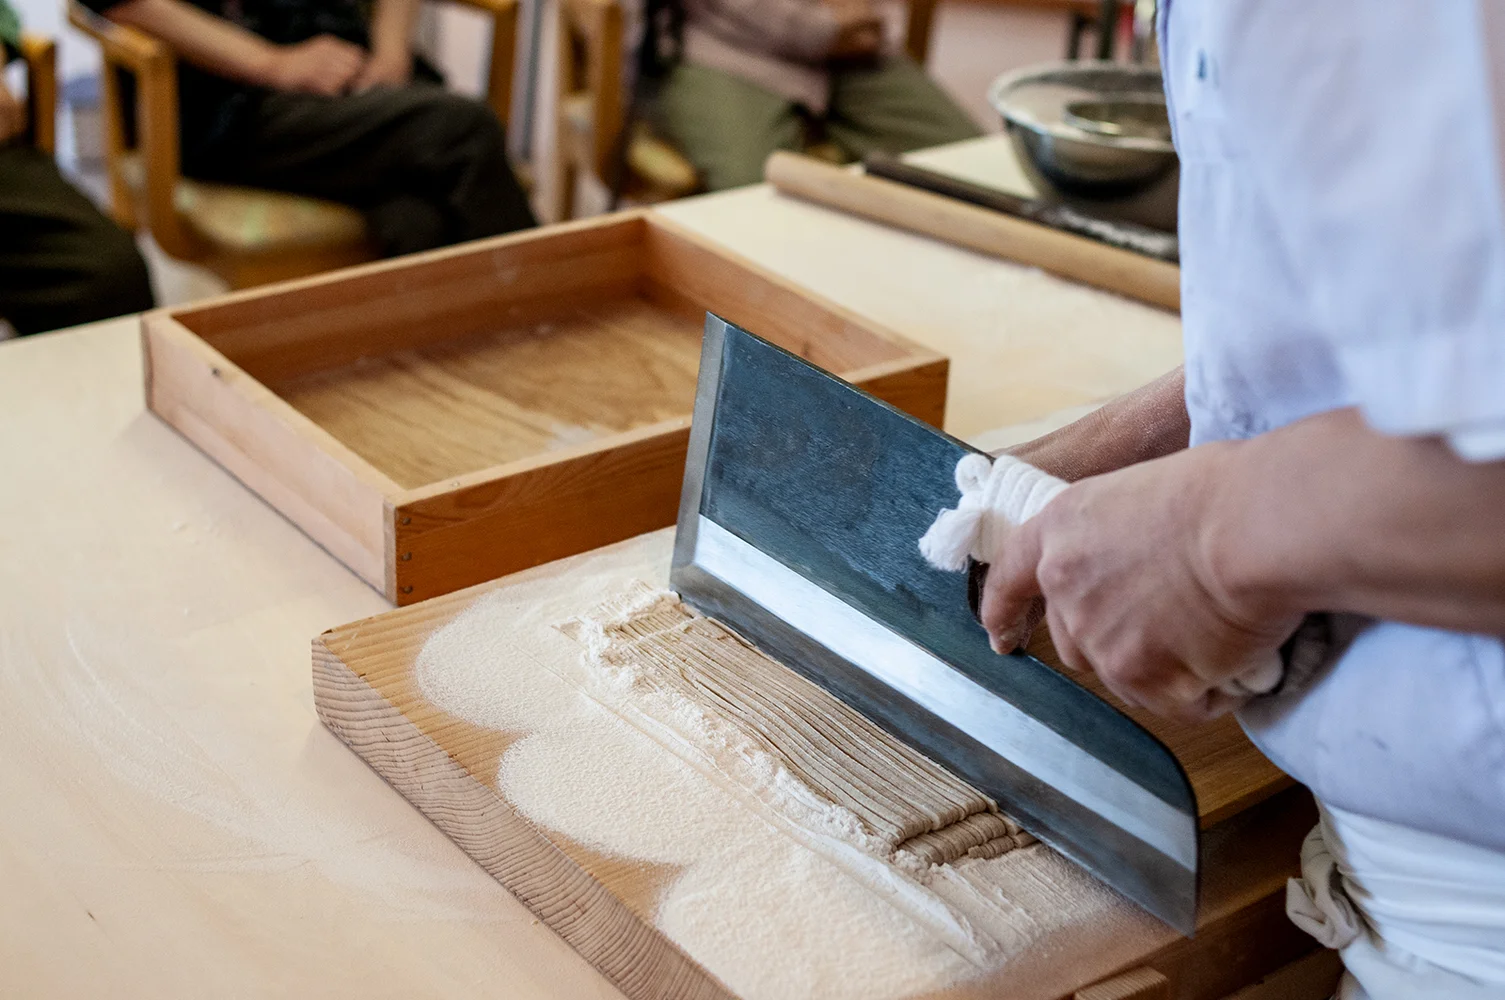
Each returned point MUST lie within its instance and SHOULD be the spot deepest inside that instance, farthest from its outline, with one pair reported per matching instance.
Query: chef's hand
(1132, 589)
(1149, 422)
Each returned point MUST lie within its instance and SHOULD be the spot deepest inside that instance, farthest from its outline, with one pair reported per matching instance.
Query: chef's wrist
(1254, 542)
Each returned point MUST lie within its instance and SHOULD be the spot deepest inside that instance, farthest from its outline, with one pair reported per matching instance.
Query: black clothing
(62, 262)
(427, 167)
(211, 108)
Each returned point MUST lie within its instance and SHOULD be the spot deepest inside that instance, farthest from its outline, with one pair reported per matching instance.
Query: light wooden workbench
(174, 822)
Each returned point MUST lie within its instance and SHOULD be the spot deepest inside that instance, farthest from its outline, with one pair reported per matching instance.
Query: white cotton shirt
(1343, 244)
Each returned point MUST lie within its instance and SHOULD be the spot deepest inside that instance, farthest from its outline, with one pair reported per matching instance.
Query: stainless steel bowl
(1092, 133)
(1137, 117)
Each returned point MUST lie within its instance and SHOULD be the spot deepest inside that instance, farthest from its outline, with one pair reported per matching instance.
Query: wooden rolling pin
(984, 230)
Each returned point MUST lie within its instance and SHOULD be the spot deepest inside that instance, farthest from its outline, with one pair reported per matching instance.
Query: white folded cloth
(998, 492)
(1005, 491)
(1414, 914)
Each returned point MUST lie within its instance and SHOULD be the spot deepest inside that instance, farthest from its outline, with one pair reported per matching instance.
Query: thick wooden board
(367, 692)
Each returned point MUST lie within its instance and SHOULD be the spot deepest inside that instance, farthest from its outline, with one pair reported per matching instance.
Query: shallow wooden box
(445, 419)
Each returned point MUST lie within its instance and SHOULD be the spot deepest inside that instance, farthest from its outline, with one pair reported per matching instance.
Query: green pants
(727, 127)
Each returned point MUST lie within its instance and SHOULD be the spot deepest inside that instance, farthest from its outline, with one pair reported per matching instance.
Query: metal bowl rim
(1061, 130)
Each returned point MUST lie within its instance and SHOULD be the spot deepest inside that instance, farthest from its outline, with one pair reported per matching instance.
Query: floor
(973, 42)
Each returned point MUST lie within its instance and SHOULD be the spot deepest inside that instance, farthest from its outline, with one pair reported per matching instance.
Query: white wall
(77, 55)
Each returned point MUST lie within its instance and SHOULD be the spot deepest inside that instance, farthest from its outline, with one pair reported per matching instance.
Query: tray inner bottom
(460, 405)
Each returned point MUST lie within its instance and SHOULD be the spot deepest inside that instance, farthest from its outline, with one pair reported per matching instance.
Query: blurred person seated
(62, 261)
(743, 78)
(311, 97)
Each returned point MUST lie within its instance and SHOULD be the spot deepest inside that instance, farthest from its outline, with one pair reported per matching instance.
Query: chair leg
(1077, 28)
(1107, 27)
(565, 177)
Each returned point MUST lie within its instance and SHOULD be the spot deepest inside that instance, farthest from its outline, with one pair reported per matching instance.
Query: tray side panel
(534, 512)
(455, 535)
(393, 306)
(680, 265)
(916, 386)
(313, 480)
(632, 954)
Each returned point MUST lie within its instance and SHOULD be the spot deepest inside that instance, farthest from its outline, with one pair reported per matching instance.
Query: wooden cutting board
(460, 701)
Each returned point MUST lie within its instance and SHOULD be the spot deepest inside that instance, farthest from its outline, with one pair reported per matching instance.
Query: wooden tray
(445, 419)
(368, 691)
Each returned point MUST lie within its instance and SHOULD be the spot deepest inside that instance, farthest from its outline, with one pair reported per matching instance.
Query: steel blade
(803, 502)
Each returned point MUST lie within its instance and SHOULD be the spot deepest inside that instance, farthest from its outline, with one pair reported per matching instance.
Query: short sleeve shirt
(1343, 244)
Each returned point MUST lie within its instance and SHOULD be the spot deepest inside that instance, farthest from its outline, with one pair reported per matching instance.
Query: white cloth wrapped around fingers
(994, 494)
(1004, 492)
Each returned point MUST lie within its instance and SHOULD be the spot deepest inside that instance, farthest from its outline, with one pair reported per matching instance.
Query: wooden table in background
(176, 822)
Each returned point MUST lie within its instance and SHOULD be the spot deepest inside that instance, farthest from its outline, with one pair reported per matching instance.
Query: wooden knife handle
(1072, 257)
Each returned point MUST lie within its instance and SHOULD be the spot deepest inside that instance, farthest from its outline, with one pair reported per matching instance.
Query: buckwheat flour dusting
(786, 830)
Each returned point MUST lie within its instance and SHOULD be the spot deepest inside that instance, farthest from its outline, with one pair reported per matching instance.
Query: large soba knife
(803, 501)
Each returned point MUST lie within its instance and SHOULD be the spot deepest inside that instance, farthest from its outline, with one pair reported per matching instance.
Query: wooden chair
(247, 236)
(40, 56)
(590, 114)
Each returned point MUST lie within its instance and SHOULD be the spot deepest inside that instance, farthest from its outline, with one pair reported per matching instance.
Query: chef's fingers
(1025, 630)
(1174, 692)
(1064, 643)
(1017, 634)
(1011, 587)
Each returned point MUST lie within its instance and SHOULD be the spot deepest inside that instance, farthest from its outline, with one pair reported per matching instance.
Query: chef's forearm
(1149, 422)
(1328, 514)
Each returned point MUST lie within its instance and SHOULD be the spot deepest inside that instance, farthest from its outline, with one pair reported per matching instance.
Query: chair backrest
(40, 55)
(151, 63)
(590, 66)
(503, 15)
(917, 29)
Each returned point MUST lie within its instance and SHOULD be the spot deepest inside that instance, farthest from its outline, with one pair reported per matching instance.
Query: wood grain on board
(365, 691)
(1140, 984)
